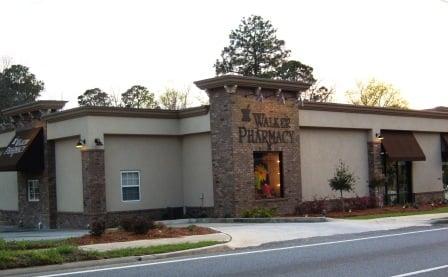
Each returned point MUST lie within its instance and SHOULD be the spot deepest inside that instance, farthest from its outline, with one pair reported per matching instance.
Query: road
(421, 251)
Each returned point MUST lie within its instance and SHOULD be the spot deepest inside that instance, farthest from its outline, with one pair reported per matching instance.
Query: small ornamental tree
(343, 180)
(377, 183)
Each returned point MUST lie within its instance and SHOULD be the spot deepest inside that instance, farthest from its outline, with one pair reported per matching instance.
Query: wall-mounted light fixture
(81, 143)
(98, 142)
(379, 136)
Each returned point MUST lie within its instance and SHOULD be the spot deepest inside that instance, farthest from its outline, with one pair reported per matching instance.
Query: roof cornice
(34, 106)
(244, 81)
(126, 112)
(347, 108)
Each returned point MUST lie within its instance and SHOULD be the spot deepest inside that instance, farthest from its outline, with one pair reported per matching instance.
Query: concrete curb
(115, 261)
(245, 220)
(439, 221)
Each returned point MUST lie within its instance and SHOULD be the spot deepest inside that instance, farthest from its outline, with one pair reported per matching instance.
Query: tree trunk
(342, 202)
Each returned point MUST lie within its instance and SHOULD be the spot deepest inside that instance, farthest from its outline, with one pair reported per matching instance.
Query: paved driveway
(255, 234)
(42, 234)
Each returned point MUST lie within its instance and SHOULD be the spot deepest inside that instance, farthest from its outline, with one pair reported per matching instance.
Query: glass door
(399, 182)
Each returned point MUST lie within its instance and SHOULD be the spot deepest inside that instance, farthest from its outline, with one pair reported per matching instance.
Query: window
(268, 175)
(33, 190)
(130, 185)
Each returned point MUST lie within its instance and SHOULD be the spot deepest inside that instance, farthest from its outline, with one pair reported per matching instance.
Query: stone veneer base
(428, 197)
(10, 217)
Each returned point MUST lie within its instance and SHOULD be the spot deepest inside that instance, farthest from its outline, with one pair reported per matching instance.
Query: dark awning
(402, 146)
(25, 152)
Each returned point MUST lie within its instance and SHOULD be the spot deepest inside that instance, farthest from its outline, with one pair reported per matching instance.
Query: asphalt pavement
(417, 251)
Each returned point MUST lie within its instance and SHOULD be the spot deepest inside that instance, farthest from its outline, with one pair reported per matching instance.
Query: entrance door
(399, 186)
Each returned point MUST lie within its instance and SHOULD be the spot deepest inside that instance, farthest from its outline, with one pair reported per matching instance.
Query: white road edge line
(421, 271)
(241, 253)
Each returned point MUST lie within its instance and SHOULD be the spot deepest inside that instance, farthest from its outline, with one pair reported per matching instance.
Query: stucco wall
(197, 175)
(69, 188)
(5, 138)
(159, 160)
(9, 198)
(91, 127)
(427, 175)
(321, 150)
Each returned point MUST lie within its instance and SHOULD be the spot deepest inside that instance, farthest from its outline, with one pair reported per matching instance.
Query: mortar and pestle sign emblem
(246, 114)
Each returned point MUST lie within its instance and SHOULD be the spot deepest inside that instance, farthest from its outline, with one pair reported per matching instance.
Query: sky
(77, 45)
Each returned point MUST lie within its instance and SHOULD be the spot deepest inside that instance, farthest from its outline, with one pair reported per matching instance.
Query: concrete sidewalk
(247, 235)
(155, 242)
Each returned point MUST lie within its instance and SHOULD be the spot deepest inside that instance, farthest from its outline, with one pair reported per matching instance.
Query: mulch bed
(118, 235)
(385, 210)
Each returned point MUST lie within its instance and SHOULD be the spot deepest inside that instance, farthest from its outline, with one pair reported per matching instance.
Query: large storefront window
(399, 182)
(268, 175)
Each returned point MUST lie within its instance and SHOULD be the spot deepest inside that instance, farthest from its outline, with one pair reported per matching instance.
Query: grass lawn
(35, 253)
(401, 213)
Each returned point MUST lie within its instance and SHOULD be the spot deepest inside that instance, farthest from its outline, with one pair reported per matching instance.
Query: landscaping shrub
(141, 226)
(127, 224)
(97, 228)
(259, 212)
(320, 206)
(192, 227)
(2, 244)
(361, 203)
(317, 206)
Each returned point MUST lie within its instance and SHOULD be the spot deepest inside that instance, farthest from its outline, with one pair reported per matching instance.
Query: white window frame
(139, 182)
(33, 198)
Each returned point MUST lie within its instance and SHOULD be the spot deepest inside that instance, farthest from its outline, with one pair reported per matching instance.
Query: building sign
(17, 146)
(268, 130)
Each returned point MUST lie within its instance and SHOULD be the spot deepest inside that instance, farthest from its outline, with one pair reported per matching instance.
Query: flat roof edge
(347, 108)
(244, 81)
(126, 112)
(32, 106)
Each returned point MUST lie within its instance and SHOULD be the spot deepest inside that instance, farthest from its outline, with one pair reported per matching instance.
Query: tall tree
(255, 50)
(18, 86)
(378, 94)
(319, 93)
(94, 97)
(139, 97)
(173, 99)
(296, 71)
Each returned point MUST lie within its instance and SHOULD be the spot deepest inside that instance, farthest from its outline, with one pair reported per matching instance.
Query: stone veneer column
(375, 167)
(94, 184)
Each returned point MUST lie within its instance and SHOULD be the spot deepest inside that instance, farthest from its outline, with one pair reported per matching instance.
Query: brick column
(94, 184)
(31, 213)
(236, 105)
(49, 179)
(375, 168)
(222, 158)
